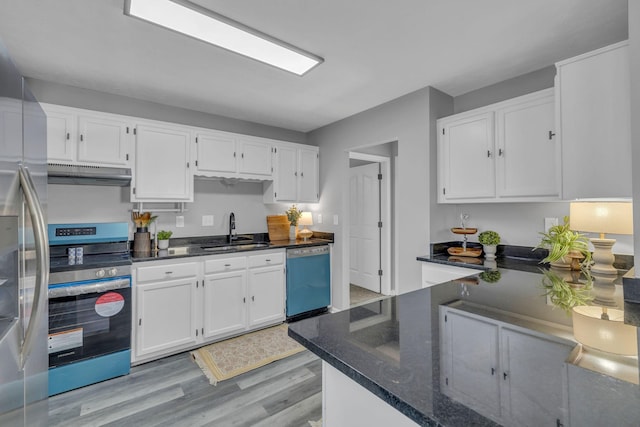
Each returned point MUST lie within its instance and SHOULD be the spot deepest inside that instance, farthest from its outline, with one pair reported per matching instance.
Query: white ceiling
(374, 51)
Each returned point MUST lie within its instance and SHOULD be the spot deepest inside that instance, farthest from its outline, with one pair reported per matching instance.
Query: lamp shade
(601, 217)
(305, 219)
(604, 329)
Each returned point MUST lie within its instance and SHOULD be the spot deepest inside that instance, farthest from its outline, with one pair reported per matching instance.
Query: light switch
(319, 218)
(335, 219)
(207, 220)
(180, 221)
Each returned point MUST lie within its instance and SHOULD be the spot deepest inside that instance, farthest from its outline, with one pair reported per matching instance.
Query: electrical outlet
(319, 218)
(180, 221)
(335, 219)
(550, 222)
(207, 220)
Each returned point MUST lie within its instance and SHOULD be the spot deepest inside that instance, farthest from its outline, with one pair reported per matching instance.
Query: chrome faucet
(232, 226)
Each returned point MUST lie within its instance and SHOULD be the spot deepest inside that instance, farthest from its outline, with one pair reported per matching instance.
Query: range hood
(88, 175)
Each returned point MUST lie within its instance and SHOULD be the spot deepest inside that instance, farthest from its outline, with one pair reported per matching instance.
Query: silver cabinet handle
(227, 265)
(42, 255)
(168, 272)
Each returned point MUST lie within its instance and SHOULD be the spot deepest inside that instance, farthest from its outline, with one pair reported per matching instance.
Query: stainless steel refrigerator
(24, 258)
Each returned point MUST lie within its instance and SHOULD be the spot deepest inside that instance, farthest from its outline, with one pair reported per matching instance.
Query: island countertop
(392, 347)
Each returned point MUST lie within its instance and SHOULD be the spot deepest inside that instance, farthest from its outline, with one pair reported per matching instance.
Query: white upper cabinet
(296, 174)
(162, 171)
(255, 157)
(594, 117)
(215, 152)
(505, 152)
(528, 153)
(82, 137)
(229, 155)
(466, 157)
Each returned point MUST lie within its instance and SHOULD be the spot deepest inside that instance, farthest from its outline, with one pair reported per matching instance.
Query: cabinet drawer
(225, 264)
(263, 260)
(166, 272)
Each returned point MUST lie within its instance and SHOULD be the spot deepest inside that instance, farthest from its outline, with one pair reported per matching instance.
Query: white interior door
(364, 230)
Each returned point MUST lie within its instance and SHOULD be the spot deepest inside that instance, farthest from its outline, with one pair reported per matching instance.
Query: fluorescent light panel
(219, 31)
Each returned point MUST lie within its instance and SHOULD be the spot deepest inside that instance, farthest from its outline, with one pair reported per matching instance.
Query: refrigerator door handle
(42, 256)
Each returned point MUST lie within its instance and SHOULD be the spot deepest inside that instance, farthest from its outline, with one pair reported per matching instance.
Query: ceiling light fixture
(195, 21)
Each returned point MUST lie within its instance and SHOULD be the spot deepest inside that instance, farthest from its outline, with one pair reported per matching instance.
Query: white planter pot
(489, 251)
(293, 231)
(163, 244)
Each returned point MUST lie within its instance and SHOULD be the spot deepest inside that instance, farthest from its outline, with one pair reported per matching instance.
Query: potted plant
(163, 238)
(565, 245)
(489, 240)
(293, 215)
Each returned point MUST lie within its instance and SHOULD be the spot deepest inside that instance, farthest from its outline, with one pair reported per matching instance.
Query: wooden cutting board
(278, 226)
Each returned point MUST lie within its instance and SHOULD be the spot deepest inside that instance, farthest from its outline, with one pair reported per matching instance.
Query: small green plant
(489, 237)
(164, 235)
(560, 241)
(565, 295)
(293, 215)
(490, 276)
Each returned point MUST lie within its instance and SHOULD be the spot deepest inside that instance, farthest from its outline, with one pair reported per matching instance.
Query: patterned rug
(235, 356)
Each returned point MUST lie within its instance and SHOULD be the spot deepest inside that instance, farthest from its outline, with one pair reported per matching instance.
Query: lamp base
(305, 234)
(603, 256)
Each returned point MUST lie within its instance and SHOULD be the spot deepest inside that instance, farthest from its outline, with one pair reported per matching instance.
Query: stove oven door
(89, 319)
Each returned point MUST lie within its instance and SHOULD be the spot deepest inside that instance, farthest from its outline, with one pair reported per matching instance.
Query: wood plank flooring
(174, 392)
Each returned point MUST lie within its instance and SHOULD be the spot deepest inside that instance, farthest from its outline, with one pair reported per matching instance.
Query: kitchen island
(490, 349)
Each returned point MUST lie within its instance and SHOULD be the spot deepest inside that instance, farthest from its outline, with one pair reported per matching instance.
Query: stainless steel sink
(241, 247)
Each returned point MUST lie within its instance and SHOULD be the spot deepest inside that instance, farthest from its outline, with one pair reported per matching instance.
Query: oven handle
(42, 256)
(89, 288)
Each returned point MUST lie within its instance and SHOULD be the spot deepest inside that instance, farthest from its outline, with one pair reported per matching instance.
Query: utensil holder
(142, 243)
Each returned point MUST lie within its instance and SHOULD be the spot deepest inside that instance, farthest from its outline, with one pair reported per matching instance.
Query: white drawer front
(166, 272)
(263, 260)
(225, 264)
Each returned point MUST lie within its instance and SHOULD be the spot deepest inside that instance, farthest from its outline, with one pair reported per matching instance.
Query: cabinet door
(162, 171)
(286, 187)
(225, 305)
(466, 158)
(103, 140)
(61, 135)
(255, 157)
(471, 371)
(216, 152)
(594, 105)
(528, 157)
(165, 316)
(266, 295)
(532, 370)
(308, 175)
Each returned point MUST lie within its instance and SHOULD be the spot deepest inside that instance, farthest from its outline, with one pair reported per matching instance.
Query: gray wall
(70, 96)
(403, 120)
(634, 50)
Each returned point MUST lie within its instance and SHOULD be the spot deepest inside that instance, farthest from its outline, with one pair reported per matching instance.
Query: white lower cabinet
(165, 315)
(180, 305)
(512, 375)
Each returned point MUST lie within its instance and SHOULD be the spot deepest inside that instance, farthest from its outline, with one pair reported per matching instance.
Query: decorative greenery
(489, 237)
(164, 235)
(490, 276)
(560, 240)
(142, 219)
(567, 295)
(293, 214)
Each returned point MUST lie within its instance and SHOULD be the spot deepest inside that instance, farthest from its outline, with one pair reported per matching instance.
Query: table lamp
(603, 328)
(305, 220)
(602, 217)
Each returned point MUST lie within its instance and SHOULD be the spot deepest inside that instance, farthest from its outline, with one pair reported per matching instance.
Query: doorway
(369, 227)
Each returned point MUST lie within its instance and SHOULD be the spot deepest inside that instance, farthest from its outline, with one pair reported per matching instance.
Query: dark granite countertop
(391, 347)
(196, 246)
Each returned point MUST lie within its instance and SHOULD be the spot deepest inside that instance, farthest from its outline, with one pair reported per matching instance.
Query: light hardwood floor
(174, 392)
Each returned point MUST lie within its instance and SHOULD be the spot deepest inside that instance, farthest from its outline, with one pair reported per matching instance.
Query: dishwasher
(308, 281)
